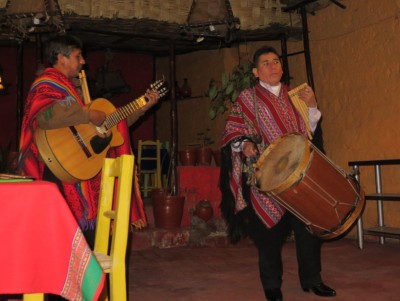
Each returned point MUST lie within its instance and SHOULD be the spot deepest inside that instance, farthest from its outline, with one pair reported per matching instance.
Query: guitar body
(76, 153)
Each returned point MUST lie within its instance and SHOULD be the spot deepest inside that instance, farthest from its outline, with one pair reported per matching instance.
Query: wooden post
(174, 121)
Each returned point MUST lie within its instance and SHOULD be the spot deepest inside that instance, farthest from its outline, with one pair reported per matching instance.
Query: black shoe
(321, 289)
(273, 294)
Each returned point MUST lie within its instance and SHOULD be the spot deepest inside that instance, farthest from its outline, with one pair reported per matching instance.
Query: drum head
(282, 163)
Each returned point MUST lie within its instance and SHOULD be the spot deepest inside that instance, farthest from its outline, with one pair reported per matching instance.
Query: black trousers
(269, 242)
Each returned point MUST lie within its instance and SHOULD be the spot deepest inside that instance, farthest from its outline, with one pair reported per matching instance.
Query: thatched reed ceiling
(154, 26)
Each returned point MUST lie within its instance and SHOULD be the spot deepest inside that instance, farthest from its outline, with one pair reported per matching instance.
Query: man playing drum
(260, 115)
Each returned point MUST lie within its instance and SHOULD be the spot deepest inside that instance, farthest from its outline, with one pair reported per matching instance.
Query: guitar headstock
(160, 86)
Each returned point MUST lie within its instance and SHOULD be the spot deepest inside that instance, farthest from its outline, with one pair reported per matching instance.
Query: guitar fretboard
(123, 112)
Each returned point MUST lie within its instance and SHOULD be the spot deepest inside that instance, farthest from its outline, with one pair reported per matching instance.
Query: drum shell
(320, 194)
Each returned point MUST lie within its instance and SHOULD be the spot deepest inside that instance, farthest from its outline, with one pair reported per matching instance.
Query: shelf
(375, 162)
(189, 98)
(385, 231)
(381, 231)
(383, 196)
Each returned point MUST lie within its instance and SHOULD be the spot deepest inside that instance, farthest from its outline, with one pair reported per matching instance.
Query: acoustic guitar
(76, 153)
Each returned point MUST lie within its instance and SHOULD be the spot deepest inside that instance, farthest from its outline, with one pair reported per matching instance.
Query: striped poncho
(82, 197)
(259, 112)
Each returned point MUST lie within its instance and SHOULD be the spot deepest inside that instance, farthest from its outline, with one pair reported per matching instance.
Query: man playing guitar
(53, 103)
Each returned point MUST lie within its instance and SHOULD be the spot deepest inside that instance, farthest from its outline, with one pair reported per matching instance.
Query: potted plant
(224, 93)
(168, 207)
(204, 152)
(188, 156)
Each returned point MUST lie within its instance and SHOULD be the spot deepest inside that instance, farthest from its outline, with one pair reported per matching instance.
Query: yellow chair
(112, 258)
(149, 164)
(34, 297)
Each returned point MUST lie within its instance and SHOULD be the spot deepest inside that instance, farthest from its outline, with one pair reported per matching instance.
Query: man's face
(269, 69)
(72, 65)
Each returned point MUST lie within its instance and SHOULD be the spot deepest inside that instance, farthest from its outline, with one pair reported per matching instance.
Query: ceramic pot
(204, 156)
(204, 210)
(157, 193)
(188, 157)
(167, 210)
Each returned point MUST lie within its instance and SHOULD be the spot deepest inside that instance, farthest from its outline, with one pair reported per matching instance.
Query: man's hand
(97, 117)
(152, 97)
(249, 149)
(307, 95)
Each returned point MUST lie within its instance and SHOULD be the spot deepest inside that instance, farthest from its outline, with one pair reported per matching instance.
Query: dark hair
(61, 45)
(261, 51)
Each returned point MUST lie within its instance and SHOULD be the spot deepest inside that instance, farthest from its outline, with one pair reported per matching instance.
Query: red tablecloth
(42, 247)
(198, 183)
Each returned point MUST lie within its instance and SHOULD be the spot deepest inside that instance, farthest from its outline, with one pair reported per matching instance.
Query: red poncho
(82, 197)
(259, 112)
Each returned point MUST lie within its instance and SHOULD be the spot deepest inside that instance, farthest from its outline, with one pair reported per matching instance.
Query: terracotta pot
(204, 156)
(157, 193)
(217, 157)
(167, 210)
(188, 157)
(204, 210)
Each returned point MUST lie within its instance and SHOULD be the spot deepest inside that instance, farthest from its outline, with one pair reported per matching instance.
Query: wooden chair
(114, 205)
(149, 164)
(33, 297)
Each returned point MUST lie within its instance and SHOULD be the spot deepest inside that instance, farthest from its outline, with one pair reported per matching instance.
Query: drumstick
(301, 106)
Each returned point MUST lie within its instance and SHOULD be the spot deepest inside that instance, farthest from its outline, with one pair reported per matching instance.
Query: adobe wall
(355, 58)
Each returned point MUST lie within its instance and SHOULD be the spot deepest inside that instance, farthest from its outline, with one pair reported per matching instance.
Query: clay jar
(167, 209)
(188, 157)
(204, 210)
(204, 156)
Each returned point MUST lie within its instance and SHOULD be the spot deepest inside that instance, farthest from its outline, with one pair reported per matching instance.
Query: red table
(42, 247)
(198, 183)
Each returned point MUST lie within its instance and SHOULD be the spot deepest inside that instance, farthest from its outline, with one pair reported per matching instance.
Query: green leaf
(212, 92)
(212, 113)
(230, 88)
(234, 96)
(224, 79)
(222, 109)
(246, 81)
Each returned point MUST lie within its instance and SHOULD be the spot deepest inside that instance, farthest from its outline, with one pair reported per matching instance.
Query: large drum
(309, 185)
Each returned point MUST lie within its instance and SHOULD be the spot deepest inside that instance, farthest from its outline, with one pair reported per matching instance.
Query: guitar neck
(123, 112)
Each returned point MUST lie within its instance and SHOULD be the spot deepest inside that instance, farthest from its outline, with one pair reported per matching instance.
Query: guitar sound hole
(99, 144)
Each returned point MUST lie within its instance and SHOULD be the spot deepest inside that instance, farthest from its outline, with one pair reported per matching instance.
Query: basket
(259, 14)
(253, 14)
(174, 11)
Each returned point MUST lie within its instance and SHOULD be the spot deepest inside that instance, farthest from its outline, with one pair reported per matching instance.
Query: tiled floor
(231, 273)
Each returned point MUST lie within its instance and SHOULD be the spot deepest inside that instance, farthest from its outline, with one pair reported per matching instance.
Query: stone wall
(355, 58)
